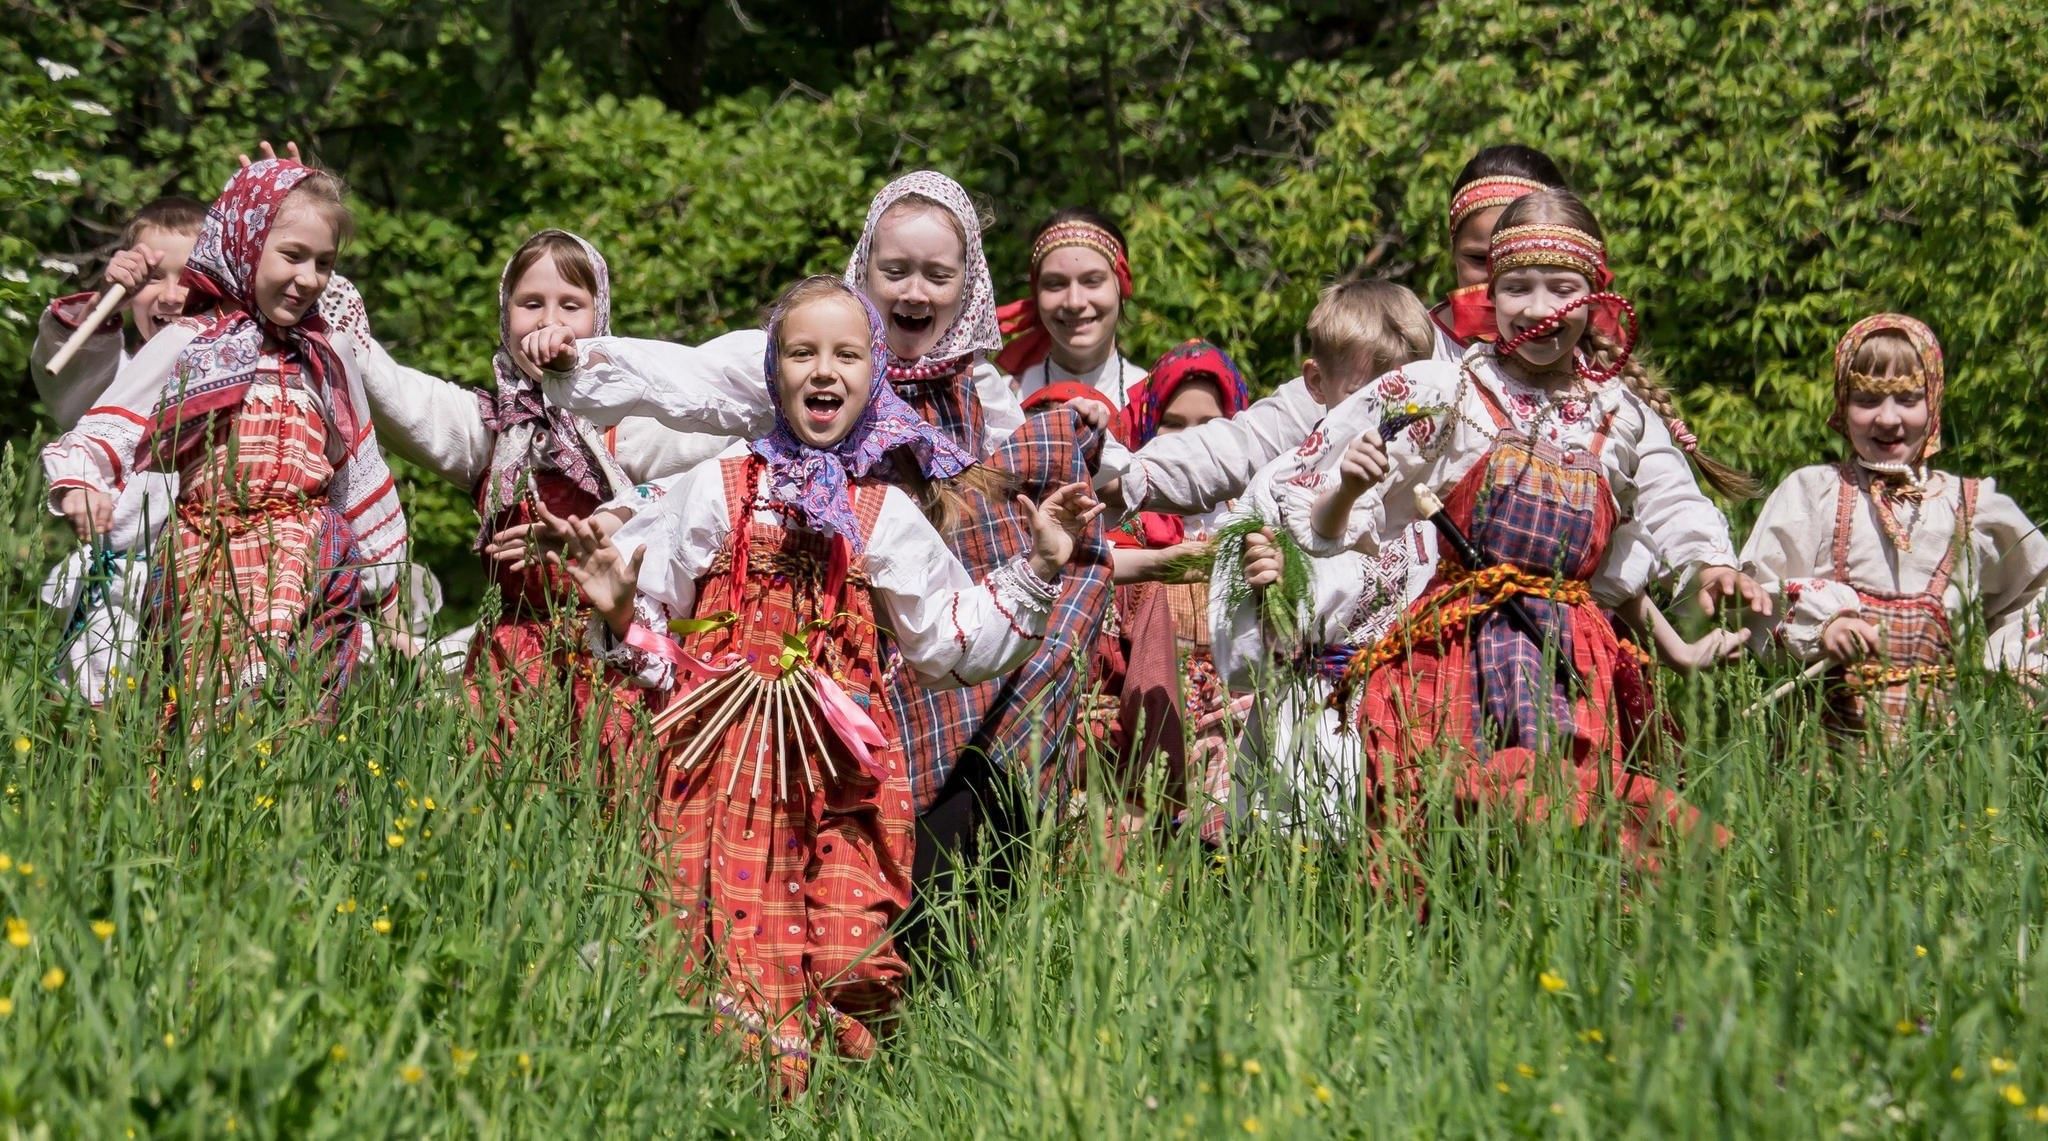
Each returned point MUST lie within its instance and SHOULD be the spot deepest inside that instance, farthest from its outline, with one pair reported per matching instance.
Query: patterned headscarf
(1021, 321)
(1932, 375)
(1190, 360)
(532, 433)
(216, 369)
(974, 330)
(816, 481)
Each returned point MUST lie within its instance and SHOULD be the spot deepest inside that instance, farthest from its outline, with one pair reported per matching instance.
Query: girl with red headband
(1065, 330)
(288, 532)
(1541, 447)
(1876, 557)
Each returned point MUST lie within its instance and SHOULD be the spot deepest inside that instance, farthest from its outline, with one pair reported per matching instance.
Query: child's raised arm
(608, 581)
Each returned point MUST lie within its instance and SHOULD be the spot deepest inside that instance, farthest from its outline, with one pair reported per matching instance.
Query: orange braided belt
(1466, 596)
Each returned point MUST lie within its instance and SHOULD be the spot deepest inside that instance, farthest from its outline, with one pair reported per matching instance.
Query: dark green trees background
(1766, 173)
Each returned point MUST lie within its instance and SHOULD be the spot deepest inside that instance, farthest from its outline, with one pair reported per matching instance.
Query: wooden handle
(1808, 674)
(108, 302)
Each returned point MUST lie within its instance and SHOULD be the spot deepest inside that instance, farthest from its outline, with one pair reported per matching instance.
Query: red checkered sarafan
(1023, 722)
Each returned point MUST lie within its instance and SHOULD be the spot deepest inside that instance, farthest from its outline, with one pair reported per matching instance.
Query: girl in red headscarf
(288, 528)
(1064, 331)
(1535, 450)
(1875, 557)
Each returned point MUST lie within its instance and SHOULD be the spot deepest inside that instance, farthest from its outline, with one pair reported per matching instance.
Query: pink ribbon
(850, 722)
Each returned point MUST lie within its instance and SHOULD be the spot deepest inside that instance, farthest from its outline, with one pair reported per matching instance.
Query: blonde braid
(1643, 381)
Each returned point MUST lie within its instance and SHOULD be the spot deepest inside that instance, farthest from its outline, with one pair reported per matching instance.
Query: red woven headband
(1544, 244)
(1089, 236)
(1487, 193)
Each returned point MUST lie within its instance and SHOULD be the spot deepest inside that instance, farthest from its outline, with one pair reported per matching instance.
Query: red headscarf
(1020, 320)
(1190, 361)
(1062, 391)
(1471, 306)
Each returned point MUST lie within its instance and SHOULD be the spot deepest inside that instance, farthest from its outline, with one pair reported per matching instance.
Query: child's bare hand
(1261, 559)
(1849, 638)
(89, 512)
(131, 269)
(1093, 413)
(552, 347)
(1712, 649)
(527, 544)
(1056, 524)
(602, 574)
(1364, 464)
(266, 151)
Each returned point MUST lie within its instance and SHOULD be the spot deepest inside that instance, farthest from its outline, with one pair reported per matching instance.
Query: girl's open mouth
(911, 324)
(823, 407)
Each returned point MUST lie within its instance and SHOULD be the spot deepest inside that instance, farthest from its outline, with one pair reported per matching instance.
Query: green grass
(1865, 957)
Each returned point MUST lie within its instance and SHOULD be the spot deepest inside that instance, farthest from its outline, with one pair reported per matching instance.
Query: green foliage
(1765, 174)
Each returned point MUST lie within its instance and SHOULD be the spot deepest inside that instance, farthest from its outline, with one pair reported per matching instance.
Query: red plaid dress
(263, 573)
(1024, 722)
(784, 889)
(535, 652)
(1447, 670)
(1917, 659)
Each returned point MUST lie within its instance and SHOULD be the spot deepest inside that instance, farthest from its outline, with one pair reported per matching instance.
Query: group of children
(828, 593)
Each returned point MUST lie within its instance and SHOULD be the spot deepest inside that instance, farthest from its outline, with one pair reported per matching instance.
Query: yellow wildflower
(1551, 982)
(411, 1074)
(429, 804)
(6, 1007)
(2001, 1066)
(26, 868)
(1919, 952)
(2038, 1114)
(129, 681)
(263, 748)
(395, 840)
(1525, 1069)
(53, 978)
(525, 1061)
(170, 1040)
(104, 928)
(1592, 1035)
(265, 801)
(1250, 1124)
(1252, 1067)
(2013, 1093)
(337, 1053)
(376, 770)
(17, 933)
(1956, 1074)
(6, 862)
(463, 1060)
(1991, 810)
(1323, 1093)
(1501, 1086)
(22, 745)
(381, 924)
(346, 906)
(198, 783)
(1905, 1026)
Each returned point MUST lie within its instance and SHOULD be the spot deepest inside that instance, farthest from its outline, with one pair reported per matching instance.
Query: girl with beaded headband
(288, 533)
(1903, 551)
(1066, 328)
(513, 451)
(1553, 470)
(758, 594)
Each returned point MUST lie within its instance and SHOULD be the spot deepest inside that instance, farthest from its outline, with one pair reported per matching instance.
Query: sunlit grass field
(361, 931)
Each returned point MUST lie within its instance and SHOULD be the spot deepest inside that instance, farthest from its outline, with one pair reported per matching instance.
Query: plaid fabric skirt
(1483, 699)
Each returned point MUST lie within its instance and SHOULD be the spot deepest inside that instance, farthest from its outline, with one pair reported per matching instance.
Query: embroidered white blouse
(950, 630)
(1652, 484)
(716, 388)
(2003, 564)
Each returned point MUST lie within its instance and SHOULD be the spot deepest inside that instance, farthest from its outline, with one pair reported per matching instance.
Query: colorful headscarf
(1021, 321)
(1556, 246)
(532, 433)
(1931, 376)
(974, 330)
(215, 370)
(1186, 362)
(815, 482)
(1471, 306)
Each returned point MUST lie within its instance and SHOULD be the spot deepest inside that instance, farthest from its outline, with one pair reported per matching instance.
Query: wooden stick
(1772, 698)
(108, 302)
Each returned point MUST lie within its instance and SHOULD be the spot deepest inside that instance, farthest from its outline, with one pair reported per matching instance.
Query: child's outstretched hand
(1261, 559)
(527, 544)
(552, 347)
(1056, 524)
(1364, 464)
(1850, 638)
(265, 150)
(607, 581)
(1713, 648)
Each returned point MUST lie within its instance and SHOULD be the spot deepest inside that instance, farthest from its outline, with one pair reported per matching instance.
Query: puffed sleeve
(1197, 471)
(647, 451)
(89, 372)
(1687, 530)
(2012, 557)
(432, 422)
(1002, 413)
(101, 451)
(1630, 566)
(717, 387)
(1785, 554)
(950, 630)
(681, 526)
(363, 490)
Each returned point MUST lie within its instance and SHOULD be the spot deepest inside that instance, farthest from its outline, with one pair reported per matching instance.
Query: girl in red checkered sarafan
(757, 593)
(1876, 558)
(1554, 453)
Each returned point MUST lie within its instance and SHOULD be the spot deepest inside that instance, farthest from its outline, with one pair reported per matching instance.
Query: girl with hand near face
(755, 593)
(1066, 329)
(288, 528)
(1553, 451)
(1875, 558)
